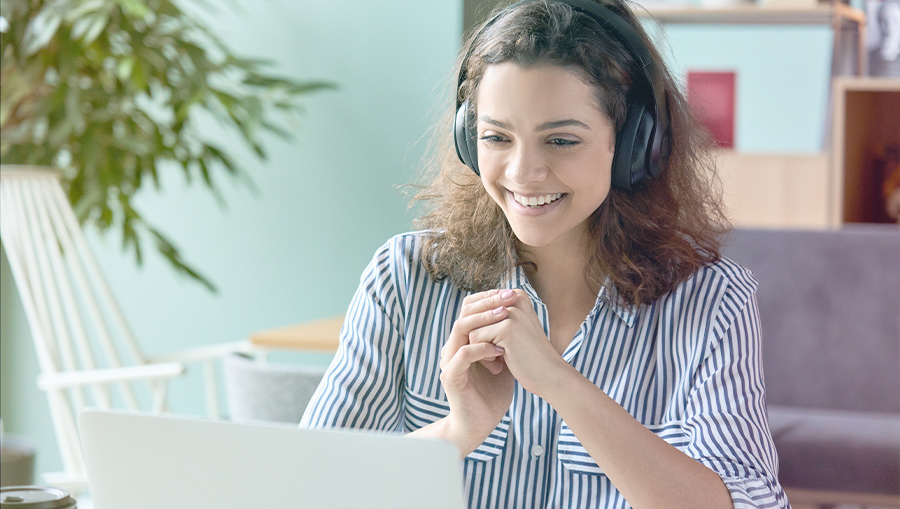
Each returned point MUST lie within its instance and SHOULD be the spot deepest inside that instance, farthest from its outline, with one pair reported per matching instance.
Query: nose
(526, 164)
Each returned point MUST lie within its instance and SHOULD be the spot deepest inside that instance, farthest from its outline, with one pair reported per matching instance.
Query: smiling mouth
(536, 201)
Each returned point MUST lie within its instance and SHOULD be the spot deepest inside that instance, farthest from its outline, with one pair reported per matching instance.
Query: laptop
(140, 461)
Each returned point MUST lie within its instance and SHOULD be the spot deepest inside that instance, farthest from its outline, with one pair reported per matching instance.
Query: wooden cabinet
(822, 190)
(866, 121)
(775, 190)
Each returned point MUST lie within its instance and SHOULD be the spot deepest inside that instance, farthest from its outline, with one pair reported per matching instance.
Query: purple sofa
(829, 304)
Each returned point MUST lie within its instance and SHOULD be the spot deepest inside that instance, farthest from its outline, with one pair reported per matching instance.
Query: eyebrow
(570, 122)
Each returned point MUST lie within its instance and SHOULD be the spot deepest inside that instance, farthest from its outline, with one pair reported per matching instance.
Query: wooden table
(319, 335)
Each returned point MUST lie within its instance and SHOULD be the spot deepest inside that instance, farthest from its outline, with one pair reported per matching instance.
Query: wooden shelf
(848, 52)
(751, 14)
(767, 190)
(866, 113)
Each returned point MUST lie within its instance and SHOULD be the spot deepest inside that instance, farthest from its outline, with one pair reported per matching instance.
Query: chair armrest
(49, 381)
(203, 353)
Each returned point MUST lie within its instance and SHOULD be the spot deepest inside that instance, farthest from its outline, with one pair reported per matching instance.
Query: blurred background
(330, 196)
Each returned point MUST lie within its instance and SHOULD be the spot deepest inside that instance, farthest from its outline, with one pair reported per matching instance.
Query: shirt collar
(608, 295)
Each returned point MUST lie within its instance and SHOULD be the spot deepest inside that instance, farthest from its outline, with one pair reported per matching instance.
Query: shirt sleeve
(726, 420)
(362, 387)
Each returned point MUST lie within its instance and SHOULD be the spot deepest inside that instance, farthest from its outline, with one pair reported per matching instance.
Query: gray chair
(268, 392)
(829, 305)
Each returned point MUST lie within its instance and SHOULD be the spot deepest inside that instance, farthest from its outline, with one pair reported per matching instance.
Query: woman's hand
(528, 353)
(479, 387)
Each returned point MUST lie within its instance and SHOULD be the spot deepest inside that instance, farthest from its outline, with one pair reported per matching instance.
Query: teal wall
(294, 251)
(329, 198)
(782, 76)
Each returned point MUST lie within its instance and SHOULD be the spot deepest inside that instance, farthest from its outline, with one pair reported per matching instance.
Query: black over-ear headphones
(643, 142)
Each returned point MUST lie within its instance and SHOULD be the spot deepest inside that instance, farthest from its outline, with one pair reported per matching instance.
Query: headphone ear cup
(634, 147)
(464, 138)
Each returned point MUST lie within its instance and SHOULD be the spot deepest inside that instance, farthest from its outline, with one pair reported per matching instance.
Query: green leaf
(110, 88)
(93, 31)
(123, 70)
(171, 253)
(89, 27)
(135, 8)
(85, 9)
(40, 31)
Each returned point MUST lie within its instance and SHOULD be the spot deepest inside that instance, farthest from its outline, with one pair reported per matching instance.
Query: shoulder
(712, 297)
(730, 291)
(722, 276)
(398, 261)
(404, 248)
(737, 279)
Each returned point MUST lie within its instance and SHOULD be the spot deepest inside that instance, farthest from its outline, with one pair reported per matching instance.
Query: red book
(711, 96)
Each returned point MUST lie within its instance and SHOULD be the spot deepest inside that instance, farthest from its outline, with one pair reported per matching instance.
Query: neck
(561, 284)
(560, 276)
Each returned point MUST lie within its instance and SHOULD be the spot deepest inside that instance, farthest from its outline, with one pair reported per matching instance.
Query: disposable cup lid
(35, 497)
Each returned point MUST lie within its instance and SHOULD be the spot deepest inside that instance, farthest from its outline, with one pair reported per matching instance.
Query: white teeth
(537, 201)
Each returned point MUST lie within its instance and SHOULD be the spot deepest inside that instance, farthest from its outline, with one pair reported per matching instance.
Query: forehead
(513, 90)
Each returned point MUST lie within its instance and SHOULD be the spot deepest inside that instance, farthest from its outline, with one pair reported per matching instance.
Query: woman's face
(545, 150)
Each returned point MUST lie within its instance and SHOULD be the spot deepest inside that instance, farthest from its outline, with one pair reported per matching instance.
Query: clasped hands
(496, 340)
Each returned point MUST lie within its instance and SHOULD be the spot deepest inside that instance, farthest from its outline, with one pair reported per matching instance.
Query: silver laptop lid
(140, 461)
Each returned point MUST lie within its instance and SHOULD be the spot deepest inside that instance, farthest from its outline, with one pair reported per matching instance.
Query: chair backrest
(269, 392)
(75, 322)
(829, 305)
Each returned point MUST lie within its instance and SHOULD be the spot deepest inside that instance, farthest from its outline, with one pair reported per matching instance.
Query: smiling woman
(545, 154)
(565, 317)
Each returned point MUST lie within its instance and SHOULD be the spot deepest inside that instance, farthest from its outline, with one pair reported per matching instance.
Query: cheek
(491, 172)
(493, 190)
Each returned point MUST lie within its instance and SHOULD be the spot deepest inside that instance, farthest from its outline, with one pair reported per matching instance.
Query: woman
(564, 317)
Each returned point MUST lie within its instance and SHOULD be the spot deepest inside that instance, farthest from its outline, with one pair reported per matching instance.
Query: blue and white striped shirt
(687, 366)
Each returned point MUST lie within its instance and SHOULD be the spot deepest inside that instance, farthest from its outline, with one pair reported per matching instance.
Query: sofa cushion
(837, 450)
(829, 305)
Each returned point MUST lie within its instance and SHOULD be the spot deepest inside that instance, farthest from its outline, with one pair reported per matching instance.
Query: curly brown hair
(644, 242)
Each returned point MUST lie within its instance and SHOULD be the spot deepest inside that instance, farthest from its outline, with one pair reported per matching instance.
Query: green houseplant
(110, 91)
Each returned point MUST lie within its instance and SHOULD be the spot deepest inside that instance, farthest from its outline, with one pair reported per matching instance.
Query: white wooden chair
(86, 351)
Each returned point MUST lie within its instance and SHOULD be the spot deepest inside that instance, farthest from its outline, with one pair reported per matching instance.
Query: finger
(455, 374)
(483, 309)
(489, 333)
(483, 301)
(479, 313)
(495, 366)
(521, 300)
(459, 336)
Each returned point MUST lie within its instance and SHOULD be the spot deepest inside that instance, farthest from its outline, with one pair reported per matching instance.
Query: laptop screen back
(141, 461)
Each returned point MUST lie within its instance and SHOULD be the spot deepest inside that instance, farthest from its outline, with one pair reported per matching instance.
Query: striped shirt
(686, 366)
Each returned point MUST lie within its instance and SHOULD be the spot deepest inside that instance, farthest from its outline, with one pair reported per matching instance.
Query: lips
(536, 201)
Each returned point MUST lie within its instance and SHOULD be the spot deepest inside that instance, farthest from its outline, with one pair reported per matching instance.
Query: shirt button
(537, 451)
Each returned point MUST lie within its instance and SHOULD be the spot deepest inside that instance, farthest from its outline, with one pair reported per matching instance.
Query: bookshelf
(841, 14)
(866, 118)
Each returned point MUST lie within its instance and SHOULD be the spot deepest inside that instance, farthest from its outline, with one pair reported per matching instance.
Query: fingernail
(499, 349)
(497, 311)
(507, 294)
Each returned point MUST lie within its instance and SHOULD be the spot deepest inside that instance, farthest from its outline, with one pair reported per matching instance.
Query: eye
(562, 143)
(492, 139)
